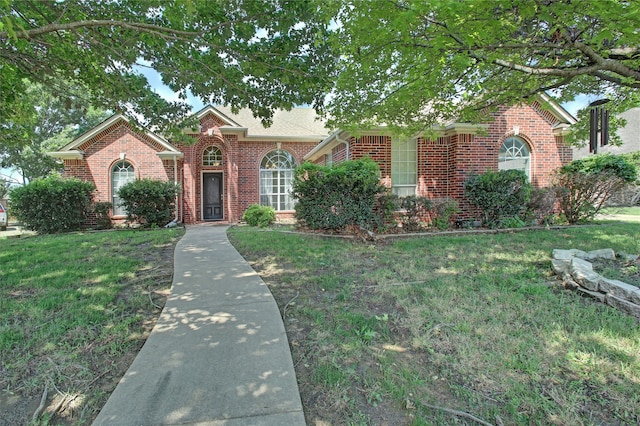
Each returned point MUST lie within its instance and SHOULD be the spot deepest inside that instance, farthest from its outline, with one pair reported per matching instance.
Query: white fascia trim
(170, 155)
(210, 109)
(463, 129)
(162, 141)
(558, 110)
(328, 143)
(93, 132)
(67, 155)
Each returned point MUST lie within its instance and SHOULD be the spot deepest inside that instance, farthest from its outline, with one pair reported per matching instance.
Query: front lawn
(440, 330)
(74, 311)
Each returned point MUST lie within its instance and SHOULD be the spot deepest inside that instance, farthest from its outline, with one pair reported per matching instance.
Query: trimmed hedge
(53, 204)
(149, 202)
(335, 197)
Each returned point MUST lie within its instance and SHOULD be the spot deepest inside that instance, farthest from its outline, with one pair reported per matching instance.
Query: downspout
(175, 182)
(182, 187)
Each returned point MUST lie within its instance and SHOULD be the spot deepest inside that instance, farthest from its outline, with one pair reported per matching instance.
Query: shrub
(257, 215)
(52, 204)
(499, 194)
(441, 212)
(149, 202)
(414, 210)
(101, 210)
(584, 186)
(384, 209)
(334, 197)
(541, 206)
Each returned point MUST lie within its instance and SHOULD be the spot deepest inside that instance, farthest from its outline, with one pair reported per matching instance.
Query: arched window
(276, 175)
(212, 156)
(514, 154)
(121, 174)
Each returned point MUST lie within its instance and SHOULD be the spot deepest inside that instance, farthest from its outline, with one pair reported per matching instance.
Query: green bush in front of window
(335, 197)
(149, 202)
(257, 215)
(502, 194)
(52, 204)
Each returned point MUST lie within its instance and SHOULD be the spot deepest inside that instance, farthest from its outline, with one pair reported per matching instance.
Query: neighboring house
(629, 134)
(237, 162)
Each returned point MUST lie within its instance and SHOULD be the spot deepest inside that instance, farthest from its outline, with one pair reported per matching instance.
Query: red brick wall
(446, 163)
(103, 151)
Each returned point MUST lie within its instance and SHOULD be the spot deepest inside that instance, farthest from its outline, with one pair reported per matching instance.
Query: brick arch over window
(122, 172)
(515, 154)
(276, 177)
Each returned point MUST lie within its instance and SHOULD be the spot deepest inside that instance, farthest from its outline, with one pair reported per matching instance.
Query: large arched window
(514, 154)
(276, 175)
(212, 156)
(121, 174)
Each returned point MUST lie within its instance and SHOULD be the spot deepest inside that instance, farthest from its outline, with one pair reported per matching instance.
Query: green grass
(630, 211)
(476, 323)
(71, 304)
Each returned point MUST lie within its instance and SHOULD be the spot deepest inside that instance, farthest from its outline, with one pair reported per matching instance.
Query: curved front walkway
(219, 353)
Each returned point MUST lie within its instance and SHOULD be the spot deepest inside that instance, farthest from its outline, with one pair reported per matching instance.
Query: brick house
(237, 162)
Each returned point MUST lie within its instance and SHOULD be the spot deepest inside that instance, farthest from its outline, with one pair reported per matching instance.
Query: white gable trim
(66, 153)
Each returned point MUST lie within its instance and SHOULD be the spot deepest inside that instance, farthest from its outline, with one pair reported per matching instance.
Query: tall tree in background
(422, 62)
(52, 123)
(260, 54)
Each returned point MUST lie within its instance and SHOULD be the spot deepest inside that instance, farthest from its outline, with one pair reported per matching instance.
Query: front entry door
(212, 196)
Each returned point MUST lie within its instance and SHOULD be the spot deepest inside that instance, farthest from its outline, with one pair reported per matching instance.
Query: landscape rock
(577, 274)
(624, 305)
(617, 288)
(593, 294)
(567, 254)
(560, 266)
(599, 254)
(628, 257)
(583, 273)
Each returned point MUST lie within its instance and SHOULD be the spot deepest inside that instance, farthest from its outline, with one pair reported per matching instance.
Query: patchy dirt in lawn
(18, 408)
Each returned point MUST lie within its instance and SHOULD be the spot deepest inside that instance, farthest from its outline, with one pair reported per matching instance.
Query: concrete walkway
(219, 353)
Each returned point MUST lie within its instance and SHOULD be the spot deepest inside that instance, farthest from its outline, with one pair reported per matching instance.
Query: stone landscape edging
(577, 273)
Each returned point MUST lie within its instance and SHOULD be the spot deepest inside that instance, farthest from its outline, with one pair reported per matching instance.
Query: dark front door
(212, 196)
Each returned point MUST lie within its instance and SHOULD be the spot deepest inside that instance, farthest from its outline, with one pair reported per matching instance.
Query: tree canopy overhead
(260, 54)
(421, 62)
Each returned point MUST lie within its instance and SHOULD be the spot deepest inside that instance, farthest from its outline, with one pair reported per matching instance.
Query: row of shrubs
(350, 194)
(344, 196)
(54, 204)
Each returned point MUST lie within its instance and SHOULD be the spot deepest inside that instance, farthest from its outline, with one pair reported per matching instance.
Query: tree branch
(71, 26)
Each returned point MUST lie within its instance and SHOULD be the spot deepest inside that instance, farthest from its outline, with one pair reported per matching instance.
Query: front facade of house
(237, 162)
(525, 137)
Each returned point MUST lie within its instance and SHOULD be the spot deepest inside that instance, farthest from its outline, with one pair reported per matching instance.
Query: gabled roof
(297, 124)
(72, 152)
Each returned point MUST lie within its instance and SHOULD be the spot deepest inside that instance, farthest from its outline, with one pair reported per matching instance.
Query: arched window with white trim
(276, 176)
(212, 156)
(514, 155)
(121, 174)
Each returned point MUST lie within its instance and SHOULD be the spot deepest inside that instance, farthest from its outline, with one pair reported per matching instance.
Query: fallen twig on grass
(43, 401)
(284, 311)
(151, 300)
(459, 414)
